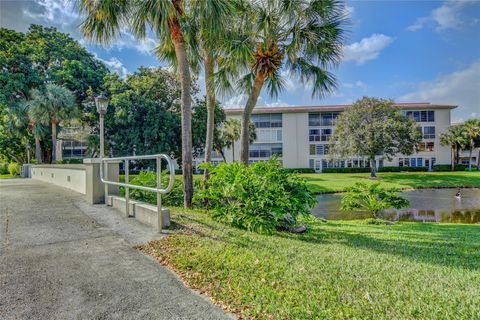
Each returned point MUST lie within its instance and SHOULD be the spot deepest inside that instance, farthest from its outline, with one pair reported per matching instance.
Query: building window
(421, 116)
(322, 118)
(428, 132)
(273, 120)
(410, 162)
(269, 135)
(265, 150)
(318, 149)
(426, 146)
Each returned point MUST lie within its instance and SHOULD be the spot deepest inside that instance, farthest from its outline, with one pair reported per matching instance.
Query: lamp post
(28, 152)
(102, 104)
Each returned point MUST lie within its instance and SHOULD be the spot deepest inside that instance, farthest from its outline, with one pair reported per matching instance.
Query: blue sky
(408, 51)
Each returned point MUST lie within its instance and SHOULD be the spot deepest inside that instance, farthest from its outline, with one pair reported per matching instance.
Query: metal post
(159, 197)
(127, 190)
(106, 178)
(102, 143)
(28, 153)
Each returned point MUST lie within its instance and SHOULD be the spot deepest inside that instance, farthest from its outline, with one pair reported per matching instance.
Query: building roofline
(338, 107)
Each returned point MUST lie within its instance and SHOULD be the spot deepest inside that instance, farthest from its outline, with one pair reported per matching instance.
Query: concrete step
(143, 212)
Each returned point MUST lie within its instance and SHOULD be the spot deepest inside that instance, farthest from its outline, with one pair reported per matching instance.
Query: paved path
(61, 258)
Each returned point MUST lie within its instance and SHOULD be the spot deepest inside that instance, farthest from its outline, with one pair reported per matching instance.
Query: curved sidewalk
(61, 258)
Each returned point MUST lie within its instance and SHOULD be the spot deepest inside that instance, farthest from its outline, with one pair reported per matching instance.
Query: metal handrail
(158, 190)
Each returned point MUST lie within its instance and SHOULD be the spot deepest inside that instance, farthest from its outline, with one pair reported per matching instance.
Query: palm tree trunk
(478, 159)
(233, 151)
(373, 168)
(186, 106)
(453, 157)
(54, 141)
(210, 89)
(251, 102)
(38, 150)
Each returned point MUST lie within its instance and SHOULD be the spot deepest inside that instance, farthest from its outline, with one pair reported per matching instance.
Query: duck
(458, 195)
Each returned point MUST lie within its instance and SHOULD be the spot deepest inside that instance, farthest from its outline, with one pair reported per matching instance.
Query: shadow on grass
(446, 245)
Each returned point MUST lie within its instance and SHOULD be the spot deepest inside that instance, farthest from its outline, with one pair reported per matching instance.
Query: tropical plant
(472, 134)
(105, 19)
(372, 127)
(261, 197)
(303, 37)
(53, 105)
(455, 138)
(229, 133)
(14, 169)
(372, 198)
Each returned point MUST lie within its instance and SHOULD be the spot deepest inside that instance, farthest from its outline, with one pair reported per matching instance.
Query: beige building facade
(300, 135)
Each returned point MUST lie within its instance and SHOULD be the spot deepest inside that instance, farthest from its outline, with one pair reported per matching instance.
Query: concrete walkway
(61, 258)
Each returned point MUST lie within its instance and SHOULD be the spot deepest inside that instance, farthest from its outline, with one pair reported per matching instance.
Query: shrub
(448, 167)
(149, 179)
(345, 170)
(372, 198)
(299, 170)
(261, 197)
(400, 169)
(14, 169)
(4, 168)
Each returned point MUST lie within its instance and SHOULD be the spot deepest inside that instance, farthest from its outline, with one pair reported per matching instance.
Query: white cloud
(114, 65)
(460, 88)
(447, 16)
(356, 84)
(367, 49)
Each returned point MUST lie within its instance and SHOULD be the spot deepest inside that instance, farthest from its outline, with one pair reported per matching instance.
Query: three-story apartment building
(300, 136)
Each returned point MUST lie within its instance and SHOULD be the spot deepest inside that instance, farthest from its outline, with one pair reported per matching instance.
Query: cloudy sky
(410, 51)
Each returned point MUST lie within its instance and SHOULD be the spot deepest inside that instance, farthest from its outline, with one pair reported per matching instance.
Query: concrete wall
(71, 176)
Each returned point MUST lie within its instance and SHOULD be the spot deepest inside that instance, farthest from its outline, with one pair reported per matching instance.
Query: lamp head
(101, 102)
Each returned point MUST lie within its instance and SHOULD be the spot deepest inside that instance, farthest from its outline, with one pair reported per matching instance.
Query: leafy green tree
(200, 126)
(373, 127)
(372, 198)
(472, 133)
(104, 19)
(303, 37)
(455, 138)
(144, 111)
(54, 105)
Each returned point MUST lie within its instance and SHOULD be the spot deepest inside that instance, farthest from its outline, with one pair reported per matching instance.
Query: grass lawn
(336, 182)
(337, 270)
(8, 176)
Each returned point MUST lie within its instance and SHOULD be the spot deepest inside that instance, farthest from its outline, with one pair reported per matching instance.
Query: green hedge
(70, 161)
(14, 169)
(345, 170)
(448, 167)
(4, 168)
(400, 169)
(299, 170)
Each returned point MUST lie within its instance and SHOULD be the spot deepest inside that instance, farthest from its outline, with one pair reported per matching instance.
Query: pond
(427, 205)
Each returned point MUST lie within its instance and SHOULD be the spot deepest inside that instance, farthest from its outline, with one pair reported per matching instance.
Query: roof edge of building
(339, 107)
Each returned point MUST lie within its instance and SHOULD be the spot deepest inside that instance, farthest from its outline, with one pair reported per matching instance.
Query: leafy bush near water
(261, 197)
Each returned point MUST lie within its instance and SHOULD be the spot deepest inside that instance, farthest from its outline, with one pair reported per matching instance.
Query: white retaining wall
(71, 176)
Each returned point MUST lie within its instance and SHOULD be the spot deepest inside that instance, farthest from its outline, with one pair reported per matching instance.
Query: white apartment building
(299, 136)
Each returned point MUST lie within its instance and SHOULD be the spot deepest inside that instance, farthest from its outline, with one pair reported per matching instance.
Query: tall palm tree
(230, 132)
(304, 37)
(53, 105)
(104, 19)
(472, 133)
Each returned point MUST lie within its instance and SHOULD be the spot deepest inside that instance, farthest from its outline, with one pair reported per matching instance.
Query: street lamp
(101, 102)
(28, 152)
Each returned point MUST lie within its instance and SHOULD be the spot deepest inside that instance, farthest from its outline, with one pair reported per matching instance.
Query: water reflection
(428, 205)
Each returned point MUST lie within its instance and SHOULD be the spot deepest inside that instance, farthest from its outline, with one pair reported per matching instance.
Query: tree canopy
(371, 127)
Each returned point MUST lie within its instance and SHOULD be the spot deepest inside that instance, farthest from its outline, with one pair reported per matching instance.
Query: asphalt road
(61, 258)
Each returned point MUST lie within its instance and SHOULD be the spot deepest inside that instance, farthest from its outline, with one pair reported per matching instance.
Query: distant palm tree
(53, 105)
(454, 137)
(230, 133)
(472, 133)
(304, 37)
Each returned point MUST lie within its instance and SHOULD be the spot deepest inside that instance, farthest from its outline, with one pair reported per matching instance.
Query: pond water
(427, 205)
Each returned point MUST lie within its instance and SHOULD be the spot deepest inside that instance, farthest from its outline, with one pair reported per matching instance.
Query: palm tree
(230, 132)
(53, 105)
(455, 138)
(305, 37)
(104, 20)
(472, 133)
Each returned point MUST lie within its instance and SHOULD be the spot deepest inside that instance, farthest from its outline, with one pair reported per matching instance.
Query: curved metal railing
(158, 190)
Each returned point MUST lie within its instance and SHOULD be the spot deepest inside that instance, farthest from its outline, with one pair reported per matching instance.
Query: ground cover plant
(337, 270)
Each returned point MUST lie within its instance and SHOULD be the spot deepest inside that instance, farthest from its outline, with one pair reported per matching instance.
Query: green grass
(8, 176)
(337, 270)
(337, 182)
